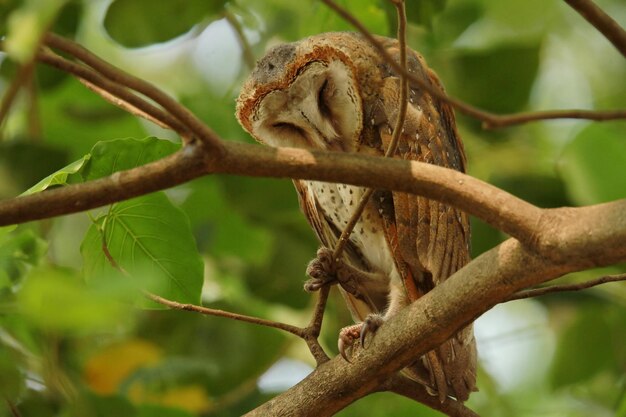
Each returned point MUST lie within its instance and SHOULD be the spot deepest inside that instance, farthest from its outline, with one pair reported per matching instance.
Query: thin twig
(537, 292)
(246, 50)
(490, 120)
(312, 331)
(602, 21)
(175, 305)
(187, 118)
(115, 93)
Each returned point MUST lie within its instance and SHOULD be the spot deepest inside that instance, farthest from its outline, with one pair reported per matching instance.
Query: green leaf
(63, 176)
(115, 155)
(57, 300)
(18, 251)
(75, 119)
(497, 79)
(150, 239)
(592, 165)
(155, 21)
(222, 230)
(585, 349)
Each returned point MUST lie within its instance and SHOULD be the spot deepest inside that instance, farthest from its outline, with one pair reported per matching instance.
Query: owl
(335, 92)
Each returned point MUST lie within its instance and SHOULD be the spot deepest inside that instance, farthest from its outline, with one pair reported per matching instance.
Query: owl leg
(348, 335)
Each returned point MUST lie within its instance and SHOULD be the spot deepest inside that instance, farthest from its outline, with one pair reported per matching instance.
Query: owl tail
(449, 370)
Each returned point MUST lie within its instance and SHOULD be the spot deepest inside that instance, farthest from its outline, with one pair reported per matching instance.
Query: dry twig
(601, 21)
(538, 292)
(490, 120)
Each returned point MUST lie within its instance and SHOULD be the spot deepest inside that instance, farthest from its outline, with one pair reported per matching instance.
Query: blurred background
(68, 349)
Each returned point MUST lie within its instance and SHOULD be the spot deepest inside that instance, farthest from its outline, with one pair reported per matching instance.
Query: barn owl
(335, 92)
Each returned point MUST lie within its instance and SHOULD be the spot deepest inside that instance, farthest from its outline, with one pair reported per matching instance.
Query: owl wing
(429, 240)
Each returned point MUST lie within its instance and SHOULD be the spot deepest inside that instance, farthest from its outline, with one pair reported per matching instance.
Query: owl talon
(370, 325)
(347, 336)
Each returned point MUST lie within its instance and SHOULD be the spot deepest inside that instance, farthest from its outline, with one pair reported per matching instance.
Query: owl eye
(322, 99)
(289, 129)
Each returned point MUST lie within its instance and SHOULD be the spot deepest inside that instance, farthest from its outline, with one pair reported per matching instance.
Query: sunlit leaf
(26, 25)
(159, 25)
(592, 165)
(151, 240)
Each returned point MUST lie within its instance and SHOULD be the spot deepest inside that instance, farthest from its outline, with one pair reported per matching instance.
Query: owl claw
(348, 335)
(370, 325)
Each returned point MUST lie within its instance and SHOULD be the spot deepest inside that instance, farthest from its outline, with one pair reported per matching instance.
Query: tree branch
(422, 326)
(175, 305)
(500, 209)
(562, 232)
(601, 21)
(537, 292)
(186, 117)
(115, 93)
(490, 120)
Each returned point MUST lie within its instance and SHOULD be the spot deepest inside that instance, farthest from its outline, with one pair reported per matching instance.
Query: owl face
(315, 104)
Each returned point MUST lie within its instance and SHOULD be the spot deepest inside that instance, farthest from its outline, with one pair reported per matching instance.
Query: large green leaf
(155, 21)
(150, 239)
(592, 165)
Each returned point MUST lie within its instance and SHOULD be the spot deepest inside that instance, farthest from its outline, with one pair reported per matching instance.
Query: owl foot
(348, 335)
(322, 270)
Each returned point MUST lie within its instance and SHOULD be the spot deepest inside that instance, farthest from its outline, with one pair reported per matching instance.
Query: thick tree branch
(602, 21)
(490, 120)
(491, 278)
(497, 207)
(559, 233)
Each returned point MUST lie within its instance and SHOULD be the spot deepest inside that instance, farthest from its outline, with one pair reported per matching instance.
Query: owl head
(303, 94)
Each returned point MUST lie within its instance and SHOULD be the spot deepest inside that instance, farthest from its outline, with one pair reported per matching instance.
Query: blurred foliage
(78, 341)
